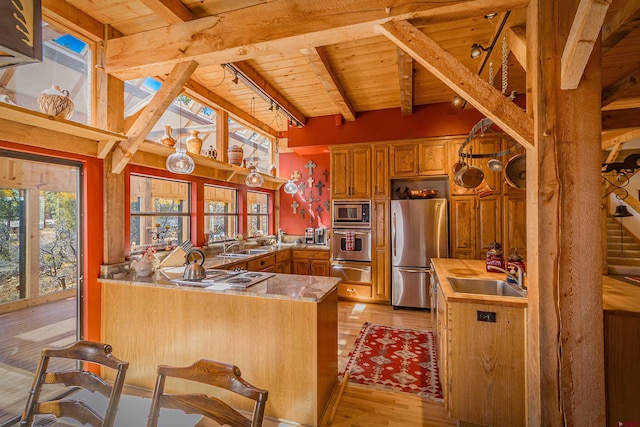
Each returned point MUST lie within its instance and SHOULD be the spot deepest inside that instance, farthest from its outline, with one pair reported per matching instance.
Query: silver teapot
(194, 270)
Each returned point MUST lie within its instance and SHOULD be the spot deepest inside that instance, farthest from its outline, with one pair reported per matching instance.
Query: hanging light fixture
(290, 187)
(254, 179)
(180, 162)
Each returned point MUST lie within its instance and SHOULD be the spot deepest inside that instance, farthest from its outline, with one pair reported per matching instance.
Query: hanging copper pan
(515, 171)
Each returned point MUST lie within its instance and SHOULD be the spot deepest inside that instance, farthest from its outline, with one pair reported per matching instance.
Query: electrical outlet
(486, 316)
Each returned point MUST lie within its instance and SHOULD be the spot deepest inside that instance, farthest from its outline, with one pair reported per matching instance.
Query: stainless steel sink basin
(233, 255)
(484, 287)
(253, 251)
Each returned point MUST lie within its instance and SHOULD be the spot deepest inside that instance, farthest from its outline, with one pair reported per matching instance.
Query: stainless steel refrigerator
(419, 232)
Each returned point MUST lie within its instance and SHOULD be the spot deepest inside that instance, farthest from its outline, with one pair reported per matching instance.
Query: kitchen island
(281, 333)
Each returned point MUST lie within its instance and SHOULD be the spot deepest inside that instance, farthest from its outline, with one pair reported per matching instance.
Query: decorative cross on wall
(310, 166)
(326, 204)
(295, 175)
(310, 182)
(319, 209)
(295, 205)
(326, 175)
(319, 186)
(302, 212)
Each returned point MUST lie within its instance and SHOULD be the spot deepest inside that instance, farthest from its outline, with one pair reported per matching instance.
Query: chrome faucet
(228, 245)
(518, 278)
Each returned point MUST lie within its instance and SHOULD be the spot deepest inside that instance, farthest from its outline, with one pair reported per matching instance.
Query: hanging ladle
(495, 165)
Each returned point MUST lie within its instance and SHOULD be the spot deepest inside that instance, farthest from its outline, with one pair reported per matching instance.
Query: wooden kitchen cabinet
(262, 263)
(381, 288)
(311, 262)
(475, 223)
(380, 171)
(515, 223)
(283, 262)
(351, 172)
(419, 159)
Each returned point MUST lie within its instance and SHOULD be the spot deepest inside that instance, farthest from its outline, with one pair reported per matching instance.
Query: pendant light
(180, 162)
(254, 179)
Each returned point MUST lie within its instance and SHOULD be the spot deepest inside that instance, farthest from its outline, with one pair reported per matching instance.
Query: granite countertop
(280, 286)
(471, 269)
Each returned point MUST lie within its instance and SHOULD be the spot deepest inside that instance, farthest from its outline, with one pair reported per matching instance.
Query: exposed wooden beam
(621, 119)
(244, 34)
(405, 81)
(615, 150)
(170, 89)
(620, 24)
(463, 81)
(517, 41)
(263, 84)
(73, 18)
(321, 66)
(583, 35)
(620, 139)
(197, 91)
(618, 90)
(171, 11)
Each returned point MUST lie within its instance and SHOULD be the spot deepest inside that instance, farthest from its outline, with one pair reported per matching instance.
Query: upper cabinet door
(404, 160)
(351, 173)
(340, 181)
(361, 172)
(380, 172)
(433, 158)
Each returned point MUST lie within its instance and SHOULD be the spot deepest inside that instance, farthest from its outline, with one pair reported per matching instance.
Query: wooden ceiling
(330, 57)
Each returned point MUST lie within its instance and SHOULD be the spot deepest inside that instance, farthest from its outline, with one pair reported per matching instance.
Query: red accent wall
(294, 224)
(386, 125)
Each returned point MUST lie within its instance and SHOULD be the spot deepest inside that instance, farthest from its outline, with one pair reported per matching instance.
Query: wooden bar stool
(83, 351)
(218, 374)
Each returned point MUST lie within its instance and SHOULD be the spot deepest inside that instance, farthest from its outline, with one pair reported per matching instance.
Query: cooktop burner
(233, 278)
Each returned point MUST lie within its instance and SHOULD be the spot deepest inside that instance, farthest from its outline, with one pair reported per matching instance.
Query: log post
(565, 377)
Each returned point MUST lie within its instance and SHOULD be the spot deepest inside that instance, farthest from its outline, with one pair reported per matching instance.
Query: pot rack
(478, 130)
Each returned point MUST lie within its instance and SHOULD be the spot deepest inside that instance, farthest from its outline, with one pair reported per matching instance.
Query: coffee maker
(321, 236)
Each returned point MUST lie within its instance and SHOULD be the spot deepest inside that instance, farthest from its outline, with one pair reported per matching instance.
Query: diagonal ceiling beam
(618, 90)
(263, 84)
(321, 67)
(517, 41)
(170, 89)
(620, 139)
(463, 81)
(171, 11)
(405, 81)
(243, 34)
(620, 24)
(582, 37)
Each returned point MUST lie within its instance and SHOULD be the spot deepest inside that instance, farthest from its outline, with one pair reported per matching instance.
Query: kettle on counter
(193, 270)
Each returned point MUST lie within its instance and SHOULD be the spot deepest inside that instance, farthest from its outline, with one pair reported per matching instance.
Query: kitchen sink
(253, 251)
(484, 287)
(233, 255)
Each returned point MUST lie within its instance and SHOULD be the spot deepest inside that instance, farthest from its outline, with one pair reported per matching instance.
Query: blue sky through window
(71, 43)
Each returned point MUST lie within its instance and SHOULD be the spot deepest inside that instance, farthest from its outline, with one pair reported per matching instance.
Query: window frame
(236, 215)
(268, 213)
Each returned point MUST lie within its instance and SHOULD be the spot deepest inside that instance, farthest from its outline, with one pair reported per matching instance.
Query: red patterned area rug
(392, 359)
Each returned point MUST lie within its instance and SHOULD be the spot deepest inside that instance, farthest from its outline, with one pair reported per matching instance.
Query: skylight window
(72, 43)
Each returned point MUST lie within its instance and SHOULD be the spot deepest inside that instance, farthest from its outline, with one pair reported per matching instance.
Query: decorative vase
(55, 102)
(235, 154)
(212, 153)
(167, 139)
(194, 143)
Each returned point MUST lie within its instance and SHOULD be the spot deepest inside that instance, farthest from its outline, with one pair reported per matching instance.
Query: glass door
(40, 267)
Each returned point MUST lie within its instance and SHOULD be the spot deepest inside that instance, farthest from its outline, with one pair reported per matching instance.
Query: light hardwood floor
(363, 407)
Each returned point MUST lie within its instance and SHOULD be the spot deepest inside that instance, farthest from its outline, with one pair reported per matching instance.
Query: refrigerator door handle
(414, 270)
(393, 234)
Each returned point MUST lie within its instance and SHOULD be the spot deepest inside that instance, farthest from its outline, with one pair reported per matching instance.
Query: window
(66, 63)
(257, 213)
(159, 212)
(257, 148)
(220, 213)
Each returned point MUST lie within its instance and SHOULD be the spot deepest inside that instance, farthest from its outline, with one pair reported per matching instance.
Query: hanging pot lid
(515, 171)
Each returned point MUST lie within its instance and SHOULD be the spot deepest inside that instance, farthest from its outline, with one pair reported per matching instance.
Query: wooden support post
(565, 366)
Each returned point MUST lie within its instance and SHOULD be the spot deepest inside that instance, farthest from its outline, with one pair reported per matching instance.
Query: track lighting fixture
(477, 49)
(235, 78)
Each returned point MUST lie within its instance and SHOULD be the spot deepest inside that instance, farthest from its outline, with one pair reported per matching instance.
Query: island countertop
(280, 286)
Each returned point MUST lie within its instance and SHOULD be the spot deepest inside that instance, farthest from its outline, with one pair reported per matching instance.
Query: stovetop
(233, 278)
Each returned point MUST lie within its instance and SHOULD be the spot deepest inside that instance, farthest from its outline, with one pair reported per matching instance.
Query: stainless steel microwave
(351, 214)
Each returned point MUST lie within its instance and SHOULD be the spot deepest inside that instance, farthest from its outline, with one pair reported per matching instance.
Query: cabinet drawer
(283, 255)
(261, 263)
(310, 254)
(348, 290)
